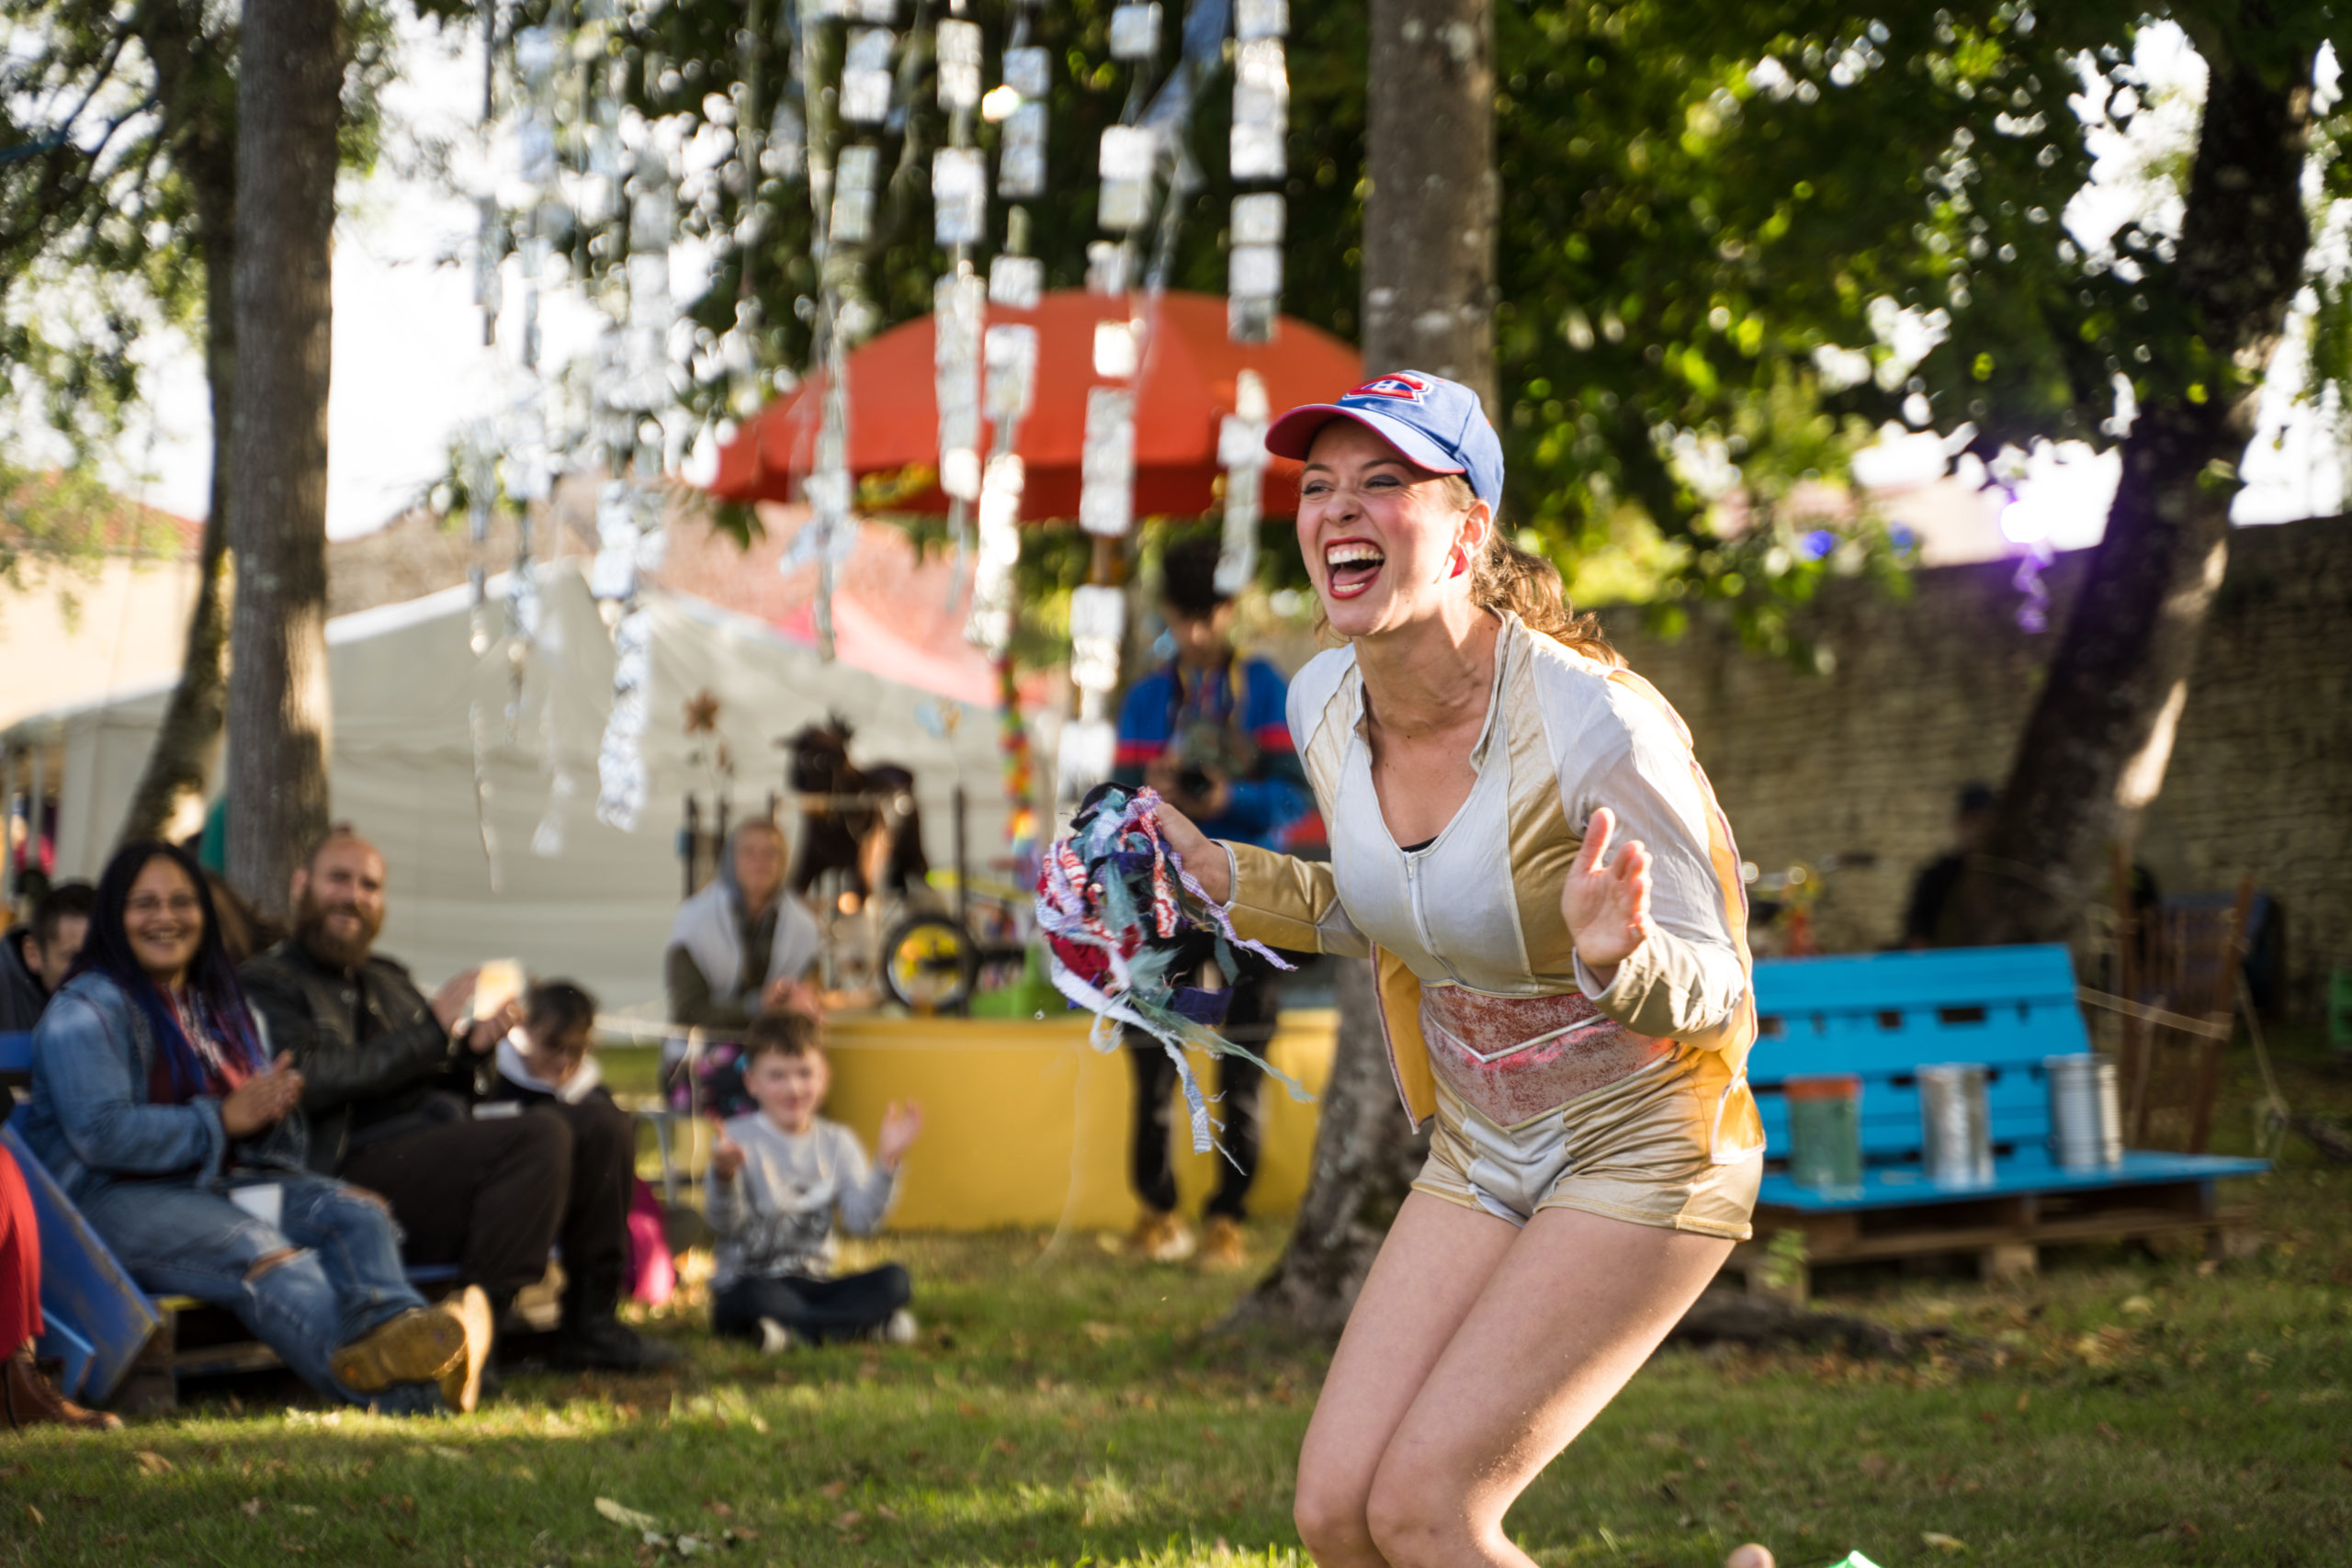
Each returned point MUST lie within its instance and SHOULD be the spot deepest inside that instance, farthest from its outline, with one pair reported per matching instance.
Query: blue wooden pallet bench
(1880, 1018)
(116, 1345)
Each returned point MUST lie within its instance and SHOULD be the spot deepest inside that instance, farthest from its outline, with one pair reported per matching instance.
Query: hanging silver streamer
(1241, 451)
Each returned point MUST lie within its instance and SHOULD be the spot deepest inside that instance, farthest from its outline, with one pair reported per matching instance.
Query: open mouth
(1350, 565)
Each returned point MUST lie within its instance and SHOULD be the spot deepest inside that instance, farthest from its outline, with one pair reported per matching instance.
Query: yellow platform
(1025, 1125)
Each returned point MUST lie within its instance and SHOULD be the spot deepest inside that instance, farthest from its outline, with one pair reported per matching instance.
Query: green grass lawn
(1068, 1406)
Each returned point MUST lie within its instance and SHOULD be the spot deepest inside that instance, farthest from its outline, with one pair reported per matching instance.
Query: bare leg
(1437, 1259)
(1570, 1314)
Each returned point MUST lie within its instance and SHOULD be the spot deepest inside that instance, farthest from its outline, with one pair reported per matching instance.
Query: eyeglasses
(178, 904)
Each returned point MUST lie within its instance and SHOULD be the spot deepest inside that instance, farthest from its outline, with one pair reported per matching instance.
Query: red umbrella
(1185, 387)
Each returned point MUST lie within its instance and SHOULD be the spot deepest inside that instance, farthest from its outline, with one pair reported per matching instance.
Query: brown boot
(461, 1379)
(28, 1399)
(416, 1347)
(1223, 1246)
(1161, 1238)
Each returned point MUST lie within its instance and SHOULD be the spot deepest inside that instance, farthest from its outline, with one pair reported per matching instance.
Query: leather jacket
(356, 1090)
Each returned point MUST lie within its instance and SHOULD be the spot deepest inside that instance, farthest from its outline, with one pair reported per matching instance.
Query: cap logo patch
(1403, 389)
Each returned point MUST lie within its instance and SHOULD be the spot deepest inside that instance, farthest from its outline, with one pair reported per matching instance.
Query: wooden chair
(2177, 979)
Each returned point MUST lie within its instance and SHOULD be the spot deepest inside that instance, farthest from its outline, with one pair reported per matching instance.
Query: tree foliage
(1737, 240)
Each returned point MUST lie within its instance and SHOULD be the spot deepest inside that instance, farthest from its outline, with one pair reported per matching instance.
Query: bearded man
(390, 1085)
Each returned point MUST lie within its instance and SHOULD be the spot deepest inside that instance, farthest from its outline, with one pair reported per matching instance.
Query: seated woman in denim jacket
(157, 1108)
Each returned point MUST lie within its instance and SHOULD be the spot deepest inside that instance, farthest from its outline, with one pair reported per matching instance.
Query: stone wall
(1929, 692)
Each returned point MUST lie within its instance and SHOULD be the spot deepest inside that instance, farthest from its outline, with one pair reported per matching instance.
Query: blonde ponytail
(1505, 577)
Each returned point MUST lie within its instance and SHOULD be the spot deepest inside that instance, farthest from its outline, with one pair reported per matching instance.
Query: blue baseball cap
(1438, 425)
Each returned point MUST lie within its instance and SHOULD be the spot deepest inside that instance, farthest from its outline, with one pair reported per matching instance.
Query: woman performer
(1523, 844)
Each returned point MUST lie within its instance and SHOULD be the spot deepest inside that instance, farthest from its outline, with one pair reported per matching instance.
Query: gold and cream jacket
(1478, 906)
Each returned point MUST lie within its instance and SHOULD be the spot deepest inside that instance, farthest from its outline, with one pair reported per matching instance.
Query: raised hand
(487, 1032)
(455, 998)
(901, 1124)
(1607, 902)
(726, 1157)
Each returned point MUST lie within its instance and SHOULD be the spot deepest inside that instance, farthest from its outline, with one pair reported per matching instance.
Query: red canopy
(1185, 387)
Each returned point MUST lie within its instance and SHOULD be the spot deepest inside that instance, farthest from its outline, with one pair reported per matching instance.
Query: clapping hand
(902, 1126)
(786, 994)
(263, 1100)
(1607, 902)
(487, 1032)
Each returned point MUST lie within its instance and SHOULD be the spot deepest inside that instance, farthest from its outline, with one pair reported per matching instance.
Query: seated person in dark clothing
(1972, 819)
(388, 1082)
(544, 1067)
(743, 946)
(34, 961)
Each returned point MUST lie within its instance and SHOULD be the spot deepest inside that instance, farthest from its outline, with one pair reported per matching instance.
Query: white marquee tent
(563, 892)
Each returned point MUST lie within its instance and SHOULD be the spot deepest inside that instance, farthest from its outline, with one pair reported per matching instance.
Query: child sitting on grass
(779, 1177)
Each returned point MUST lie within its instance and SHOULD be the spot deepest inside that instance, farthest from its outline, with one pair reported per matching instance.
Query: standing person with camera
(1207, 730)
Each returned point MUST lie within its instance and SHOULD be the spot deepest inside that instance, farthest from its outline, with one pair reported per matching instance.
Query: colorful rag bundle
(1112, 902)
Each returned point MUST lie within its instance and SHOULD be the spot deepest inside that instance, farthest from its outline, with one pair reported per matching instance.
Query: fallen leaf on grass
(719, 1509)
(1943, 1543)
(114, 1540)
(1005, 1446)
(849, 1519)
(626, 1517)
(34, 1514)
(1875, 1466)
(2139, 1303)
(250, 1507)
(832, 1490)
(19, 1467)
(2109, 1433)
(153, 1463)
(303, 1509)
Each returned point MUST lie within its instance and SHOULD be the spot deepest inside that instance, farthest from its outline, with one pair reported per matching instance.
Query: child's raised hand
(902, 1126)
(726, 1157)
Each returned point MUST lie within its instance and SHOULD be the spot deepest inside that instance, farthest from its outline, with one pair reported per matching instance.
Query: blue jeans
(344, 1278)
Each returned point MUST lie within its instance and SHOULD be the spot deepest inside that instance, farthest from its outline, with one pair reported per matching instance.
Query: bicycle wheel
(928, 963)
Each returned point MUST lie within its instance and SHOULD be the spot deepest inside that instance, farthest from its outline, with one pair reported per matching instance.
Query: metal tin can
(2085, 1115)
(1956, 1133)
(1825, 1130)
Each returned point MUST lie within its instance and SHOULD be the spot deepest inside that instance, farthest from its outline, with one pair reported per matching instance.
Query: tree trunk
(2095, 749)
(1429, 292)
(290, 84)
(1365, 1157)
(205, 151)
(1429, 215)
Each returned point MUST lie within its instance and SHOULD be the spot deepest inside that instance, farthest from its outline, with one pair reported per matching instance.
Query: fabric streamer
(1111, 900)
